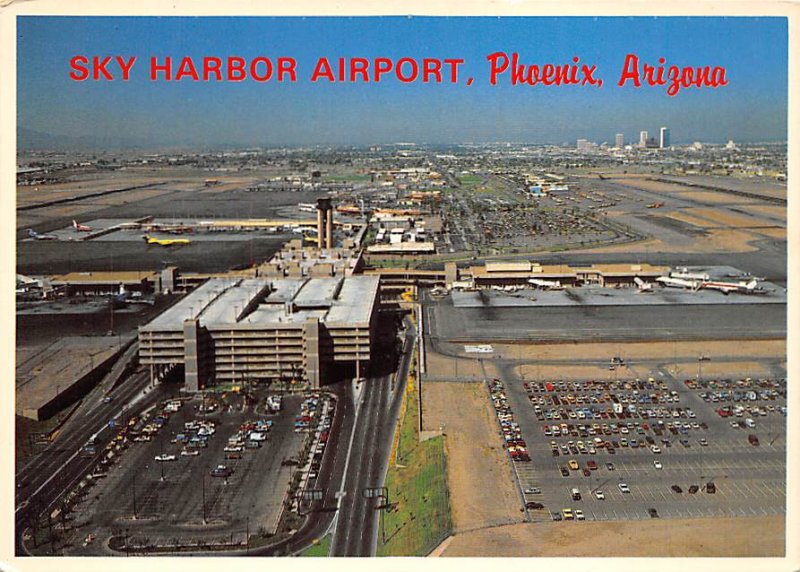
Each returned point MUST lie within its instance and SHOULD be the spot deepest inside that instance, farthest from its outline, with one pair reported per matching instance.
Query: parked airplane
(750, 287)
(671, 282)
(548, 284)
(36, 236)
(643, 286)
(684, 273)
(165, 241)
(81, 227)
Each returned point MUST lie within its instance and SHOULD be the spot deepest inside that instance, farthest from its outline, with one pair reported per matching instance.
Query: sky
(752, 107)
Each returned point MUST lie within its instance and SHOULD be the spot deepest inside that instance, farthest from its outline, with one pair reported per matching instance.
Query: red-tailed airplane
(81, 227)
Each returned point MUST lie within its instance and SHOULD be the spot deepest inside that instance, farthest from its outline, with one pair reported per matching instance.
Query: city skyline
(751, 108)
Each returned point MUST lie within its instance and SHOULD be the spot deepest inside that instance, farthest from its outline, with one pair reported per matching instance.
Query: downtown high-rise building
(663, 141)
(642, 138)
(620, 141)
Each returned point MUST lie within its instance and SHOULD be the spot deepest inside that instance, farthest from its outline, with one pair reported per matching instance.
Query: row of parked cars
(601, 397)
(650, 384)
(512, 435)
(308, 410)
(750, 410)
(325, 420)
(739, 385)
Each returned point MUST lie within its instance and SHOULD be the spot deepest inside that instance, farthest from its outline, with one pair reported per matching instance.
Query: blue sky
(753, 107)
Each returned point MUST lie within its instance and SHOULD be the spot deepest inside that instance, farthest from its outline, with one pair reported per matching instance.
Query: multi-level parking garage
(236, 330)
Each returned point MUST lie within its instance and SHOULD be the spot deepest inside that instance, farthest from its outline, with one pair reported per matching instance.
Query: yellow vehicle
(165, 241)
(567, 514)
(573, 464)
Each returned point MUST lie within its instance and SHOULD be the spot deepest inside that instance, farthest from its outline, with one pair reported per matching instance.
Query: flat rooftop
(191, 306)
(221, 302)
(132, 276)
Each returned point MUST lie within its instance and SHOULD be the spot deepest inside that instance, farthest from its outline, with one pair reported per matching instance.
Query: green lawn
(318, 550)
(420, 517)
(354, 177)
(469, 179)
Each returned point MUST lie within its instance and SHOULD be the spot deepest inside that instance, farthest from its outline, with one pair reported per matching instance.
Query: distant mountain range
(30, 139)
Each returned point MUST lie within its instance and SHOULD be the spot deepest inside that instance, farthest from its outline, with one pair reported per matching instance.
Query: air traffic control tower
(324, 223)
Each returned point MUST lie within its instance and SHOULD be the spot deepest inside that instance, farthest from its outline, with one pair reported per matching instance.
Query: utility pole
(204, 498)
(161, 463)
(133, 488)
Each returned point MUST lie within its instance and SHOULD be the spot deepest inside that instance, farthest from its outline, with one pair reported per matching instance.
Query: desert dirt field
(726, 369)
(777, 233)
(482, 487)
(729, 219)
(688, 192)
(447, 367)
(701, 537)
(564, 371)
(770, 210)
(717, 240)
(714, 197)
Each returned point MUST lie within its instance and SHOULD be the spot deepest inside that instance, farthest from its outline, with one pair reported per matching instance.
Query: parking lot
(665, 438)
(198, 473)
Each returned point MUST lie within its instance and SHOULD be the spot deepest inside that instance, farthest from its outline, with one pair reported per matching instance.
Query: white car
(623, 488)
(658, 465)
(655, 449)
(599, 495)
(161, 458)
(188, 453)
(579, 514)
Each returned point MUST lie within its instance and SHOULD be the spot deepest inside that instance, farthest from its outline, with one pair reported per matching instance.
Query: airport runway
(45, 257)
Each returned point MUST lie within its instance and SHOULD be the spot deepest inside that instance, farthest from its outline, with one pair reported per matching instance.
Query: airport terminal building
(232, 330)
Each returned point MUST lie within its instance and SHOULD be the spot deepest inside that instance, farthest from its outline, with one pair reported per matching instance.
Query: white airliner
(750, 287)
(671, 282)
(36, 236)
(643, 286)
(548, 284)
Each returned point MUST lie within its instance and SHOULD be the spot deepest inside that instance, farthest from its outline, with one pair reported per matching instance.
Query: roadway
(59, 467)
(371, 442)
